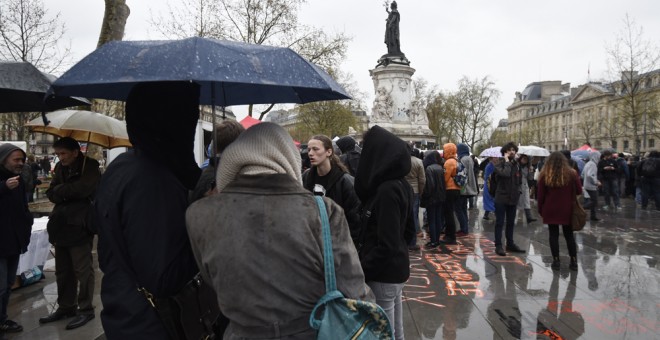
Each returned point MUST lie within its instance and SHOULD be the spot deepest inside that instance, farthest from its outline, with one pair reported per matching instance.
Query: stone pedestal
(394, 107)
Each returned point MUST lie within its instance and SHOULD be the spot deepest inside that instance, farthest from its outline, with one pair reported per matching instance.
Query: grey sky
(515, 42)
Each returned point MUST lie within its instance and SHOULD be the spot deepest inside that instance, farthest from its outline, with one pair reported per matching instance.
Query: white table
(38, 249)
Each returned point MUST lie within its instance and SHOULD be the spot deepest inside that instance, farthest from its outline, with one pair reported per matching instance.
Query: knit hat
(264, 148)
(346, 144)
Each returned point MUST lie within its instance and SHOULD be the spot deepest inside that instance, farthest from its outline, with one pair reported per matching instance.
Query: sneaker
(486, 218)
(500, 251)
(461, 234)
(430, 245)
(605, 207)
(10, 326)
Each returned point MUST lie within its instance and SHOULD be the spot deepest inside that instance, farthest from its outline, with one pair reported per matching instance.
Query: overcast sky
(515, 42)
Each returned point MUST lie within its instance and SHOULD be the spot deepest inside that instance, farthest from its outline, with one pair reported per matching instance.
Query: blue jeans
(650, 189)
(8, 267)
(461, 212)
(436, 221)
(611, 188)
(388, 297)
(503, 211)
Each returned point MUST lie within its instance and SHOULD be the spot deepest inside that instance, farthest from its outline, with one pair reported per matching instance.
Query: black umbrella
(23, 87)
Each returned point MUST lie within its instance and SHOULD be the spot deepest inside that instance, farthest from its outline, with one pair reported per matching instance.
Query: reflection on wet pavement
(466, 291)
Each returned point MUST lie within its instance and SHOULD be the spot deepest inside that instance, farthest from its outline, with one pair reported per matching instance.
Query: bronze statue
(392, 31)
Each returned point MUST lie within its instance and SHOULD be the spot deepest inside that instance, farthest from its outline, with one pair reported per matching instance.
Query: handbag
(192, 313)
(342, 318)
(579, 215)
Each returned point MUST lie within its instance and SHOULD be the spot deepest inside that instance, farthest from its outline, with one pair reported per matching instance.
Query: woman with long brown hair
(558, 185)
(329, 177)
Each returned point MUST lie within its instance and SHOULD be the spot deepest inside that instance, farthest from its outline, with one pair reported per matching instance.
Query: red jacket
(556, 204)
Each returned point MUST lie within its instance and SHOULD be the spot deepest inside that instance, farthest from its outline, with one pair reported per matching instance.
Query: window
(598, 144)
(614, 144)
(625, 145)
(638, 144)
(651, 143)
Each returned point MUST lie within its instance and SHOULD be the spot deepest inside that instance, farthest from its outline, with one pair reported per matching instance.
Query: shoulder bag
(342, 318)
(578, 216)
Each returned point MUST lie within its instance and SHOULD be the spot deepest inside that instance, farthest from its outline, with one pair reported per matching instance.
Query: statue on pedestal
(394, 54)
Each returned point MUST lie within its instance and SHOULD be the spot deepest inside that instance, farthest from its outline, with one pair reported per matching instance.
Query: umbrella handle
(43, 116)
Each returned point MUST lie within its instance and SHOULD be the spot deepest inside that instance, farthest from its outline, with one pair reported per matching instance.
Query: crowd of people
(250, 225)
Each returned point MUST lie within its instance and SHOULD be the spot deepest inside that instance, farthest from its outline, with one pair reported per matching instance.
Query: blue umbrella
(229, 73)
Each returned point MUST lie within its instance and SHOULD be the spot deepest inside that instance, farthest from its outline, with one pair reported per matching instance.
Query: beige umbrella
(84, 126)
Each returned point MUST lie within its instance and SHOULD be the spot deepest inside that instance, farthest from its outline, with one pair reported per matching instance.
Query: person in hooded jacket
(433, 196)
(259, 240)
(509, 181)
(527, 171)
(591, 183)
(329, 177)
(488, 200)
(381, 187)
(452, 193)
(15, 226)
(140, 209)
(468, 192)
(350, 155)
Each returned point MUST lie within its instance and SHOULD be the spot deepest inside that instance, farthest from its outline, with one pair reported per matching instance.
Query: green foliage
(330, 118)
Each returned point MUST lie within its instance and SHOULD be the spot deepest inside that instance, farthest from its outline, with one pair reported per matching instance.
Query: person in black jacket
(434, 196)
(608, 174)
(72, 189)
(350, 156)
(141, 206)
(649, 174)
(388, 197)
(509, 181)
(329, 177)
(15, 225)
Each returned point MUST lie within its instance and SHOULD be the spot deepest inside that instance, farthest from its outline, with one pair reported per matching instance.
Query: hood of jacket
(449, 150)
(594, 156)
(6, 150)
(431, 158)
(463, 150)
(384, 157)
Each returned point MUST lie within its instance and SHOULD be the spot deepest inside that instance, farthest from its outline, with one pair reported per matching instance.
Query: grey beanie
(346, 143)
(264, 148)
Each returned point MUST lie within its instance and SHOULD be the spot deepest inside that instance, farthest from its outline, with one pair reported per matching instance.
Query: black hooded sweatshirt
(381, 186)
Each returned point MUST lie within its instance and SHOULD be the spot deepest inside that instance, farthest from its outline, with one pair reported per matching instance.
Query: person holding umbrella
(72, 190)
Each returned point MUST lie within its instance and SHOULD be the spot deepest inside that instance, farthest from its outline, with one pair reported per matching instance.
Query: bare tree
(273, 22)
(29, 34)
(442, 113)
(631, 58)
(588, 127)
(476, 99)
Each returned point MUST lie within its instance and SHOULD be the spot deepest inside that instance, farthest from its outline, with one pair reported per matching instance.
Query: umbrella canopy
(581, 154)
(248, 121)
(23, 87)
(229, 73)
(491, 152)
(84, 126)
(534, 151)
(585, 147)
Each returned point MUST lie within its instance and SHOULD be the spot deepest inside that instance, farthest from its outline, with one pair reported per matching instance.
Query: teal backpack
(342, 318)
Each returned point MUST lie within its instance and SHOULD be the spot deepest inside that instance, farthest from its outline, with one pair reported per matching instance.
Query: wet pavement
(468, 292)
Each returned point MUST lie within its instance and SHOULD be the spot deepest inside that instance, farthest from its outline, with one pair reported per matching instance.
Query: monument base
(395, 107)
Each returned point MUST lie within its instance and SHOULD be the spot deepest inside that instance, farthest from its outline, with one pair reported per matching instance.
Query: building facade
(622, 115)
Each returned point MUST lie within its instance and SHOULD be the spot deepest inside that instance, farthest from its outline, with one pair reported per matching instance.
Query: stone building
(556, 116)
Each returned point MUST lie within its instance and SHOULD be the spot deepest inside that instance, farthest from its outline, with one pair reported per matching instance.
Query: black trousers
(593, 202)
(74, 273)
(568, 235)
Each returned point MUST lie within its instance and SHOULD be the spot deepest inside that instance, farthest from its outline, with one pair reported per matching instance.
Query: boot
(555, 263)
(528, 214)
(573, 265)
(486, 215)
